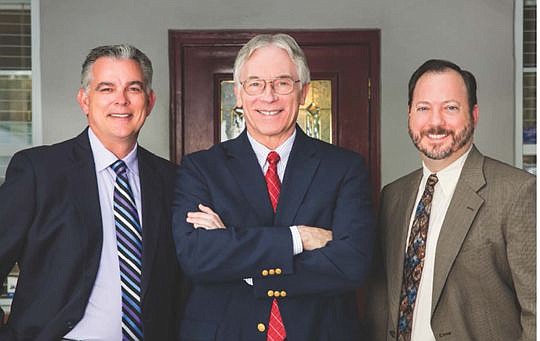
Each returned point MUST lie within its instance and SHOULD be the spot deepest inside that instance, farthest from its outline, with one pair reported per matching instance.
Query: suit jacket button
(283, 293)
(270, 293)
(276, 293)
(271, 272)
(278, 271)
(261, 327)
(392, 333)
(264, 273)
(70, 324)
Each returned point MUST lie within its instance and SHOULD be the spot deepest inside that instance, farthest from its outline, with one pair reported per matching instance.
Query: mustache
(437, 131)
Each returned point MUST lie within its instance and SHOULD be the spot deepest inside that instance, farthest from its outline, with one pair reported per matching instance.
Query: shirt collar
(261, 151)
(103, 158)
(449, 176)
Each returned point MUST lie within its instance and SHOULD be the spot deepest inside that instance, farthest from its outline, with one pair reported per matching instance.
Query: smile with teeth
(120, 115)
(437, 136)
(269, 112)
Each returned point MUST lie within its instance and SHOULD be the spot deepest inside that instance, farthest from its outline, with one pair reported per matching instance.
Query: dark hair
(438, 66)
(122, 51)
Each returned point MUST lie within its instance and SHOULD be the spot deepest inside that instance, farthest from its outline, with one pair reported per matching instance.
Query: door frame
(179, 39)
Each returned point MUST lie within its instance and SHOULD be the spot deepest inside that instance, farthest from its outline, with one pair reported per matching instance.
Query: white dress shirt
(103, 314)
(284, 151)
(444, 190)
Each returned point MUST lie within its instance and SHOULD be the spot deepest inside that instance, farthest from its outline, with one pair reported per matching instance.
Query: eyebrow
(141, 84)
(278, 77)
(105, 84)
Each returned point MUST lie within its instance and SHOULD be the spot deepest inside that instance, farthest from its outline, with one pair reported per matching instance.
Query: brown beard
(459, 139)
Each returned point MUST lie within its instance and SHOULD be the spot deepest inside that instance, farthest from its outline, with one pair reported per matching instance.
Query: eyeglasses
(281, 86)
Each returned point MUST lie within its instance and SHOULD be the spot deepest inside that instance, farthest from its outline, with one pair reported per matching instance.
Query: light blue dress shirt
(103, 315)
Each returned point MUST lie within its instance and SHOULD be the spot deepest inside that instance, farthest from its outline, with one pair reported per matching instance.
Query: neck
(120, 149)
(271, 142)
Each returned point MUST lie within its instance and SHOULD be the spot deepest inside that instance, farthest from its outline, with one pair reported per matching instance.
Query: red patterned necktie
(276, 329)
(414, 260)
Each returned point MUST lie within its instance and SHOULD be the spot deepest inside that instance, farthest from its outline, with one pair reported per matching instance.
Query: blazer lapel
(396, 233)
(85, 194)
(299, 173)
(246, 171)
(459, 217)
(151, 195)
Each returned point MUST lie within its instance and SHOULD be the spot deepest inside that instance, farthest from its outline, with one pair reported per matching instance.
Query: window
(18, 128)
(16, 119)
(526, 85)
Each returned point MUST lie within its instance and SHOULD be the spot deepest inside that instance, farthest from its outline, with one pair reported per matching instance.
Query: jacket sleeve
(17, 201)
(521, 251)
(344, 263)
(222, 254)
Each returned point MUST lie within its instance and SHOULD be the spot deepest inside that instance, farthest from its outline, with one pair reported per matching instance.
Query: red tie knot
(273, 158)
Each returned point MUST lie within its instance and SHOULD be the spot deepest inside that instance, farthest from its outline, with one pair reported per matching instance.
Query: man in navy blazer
(249, 264)
(56, 217)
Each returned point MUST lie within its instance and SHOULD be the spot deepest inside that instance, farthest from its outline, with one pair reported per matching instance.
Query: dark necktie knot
(119, 167)
(432, 180)
(273, 158)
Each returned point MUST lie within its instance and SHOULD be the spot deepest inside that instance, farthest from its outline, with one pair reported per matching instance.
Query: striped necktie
(276, 328)
(129, 242)
(414, 260)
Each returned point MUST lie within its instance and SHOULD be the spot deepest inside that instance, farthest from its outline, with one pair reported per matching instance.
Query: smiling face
(270, 118)
(441, 124)
(116, 103)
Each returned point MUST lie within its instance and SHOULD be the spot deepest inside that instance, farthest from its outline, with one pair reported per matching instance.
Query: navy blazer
(50, 223)
(323, 186)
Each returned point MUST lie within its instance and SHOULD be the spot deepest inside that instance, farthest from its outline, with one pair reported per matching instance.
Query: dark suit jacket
(50, 222)
(484, 285)
(323, 186)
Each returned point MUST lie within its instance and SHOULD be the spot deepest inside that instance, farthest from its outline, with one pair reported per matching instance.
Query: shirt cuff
(297, 240)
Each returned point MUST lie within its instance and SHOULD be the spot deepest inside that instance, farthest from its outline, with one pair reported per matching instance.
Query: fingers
(206, 218)
(314, 237)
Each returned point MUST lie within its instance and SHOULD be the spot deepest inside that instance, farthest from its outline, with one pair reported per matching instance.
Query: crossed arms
(220, 239)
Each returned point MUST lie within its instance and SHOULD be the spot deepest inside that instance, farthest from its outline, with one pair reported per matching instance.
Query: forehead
(116, 69)
(268, 62)
(443, 86)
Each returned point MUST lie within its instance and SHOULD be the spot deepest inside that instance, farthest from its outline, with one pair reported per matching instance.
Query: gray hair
(122, 51)
(281, 40)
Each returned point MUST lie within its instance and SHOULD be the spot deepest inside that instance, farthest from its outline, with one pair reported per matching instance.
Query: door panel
(200, 60)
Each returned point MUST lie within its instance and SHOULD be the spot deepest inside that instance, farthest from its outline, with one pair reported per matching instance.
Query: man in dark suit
(273, 227)
(88, 219)
(466, 270)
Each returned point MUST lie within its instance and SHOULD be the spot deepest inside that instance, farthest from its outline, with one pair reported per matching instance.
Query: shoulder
(495, 170)
(158, 163)
(406, 181)
(48, 155)
(212, 155)
(333, 155)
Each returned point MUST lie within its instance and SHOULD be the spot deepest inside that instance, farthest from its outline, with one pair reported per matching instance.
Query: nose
(121, 98)
(436, 118)
(269, 95)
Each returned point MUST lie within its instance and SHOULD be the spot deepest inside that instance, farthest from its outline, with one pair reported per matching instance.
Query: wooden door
(201, 60)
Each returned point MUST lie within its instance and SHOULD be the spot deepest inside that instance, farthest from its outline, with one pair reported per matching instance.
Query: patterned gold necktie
(414, 260)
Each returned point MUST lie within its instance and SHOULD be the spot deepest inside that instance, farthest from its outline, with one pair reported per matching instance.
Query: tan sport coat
(484, 285)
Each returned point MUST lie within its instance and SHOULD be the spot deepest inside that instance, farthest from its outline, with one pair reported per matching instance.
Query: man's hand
(205, 218)
(314, 237)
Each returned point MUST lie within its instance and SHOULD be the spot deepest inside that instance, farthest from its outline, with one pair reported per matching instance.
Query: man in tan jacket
(458, 236)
